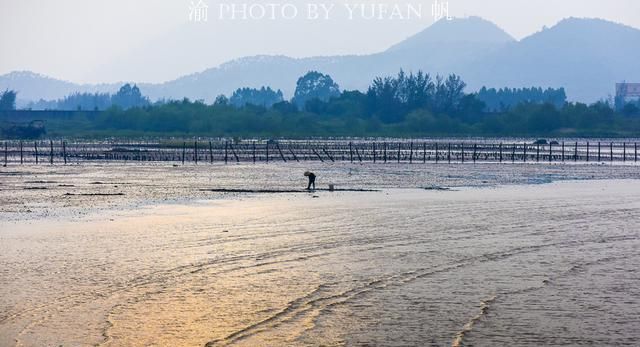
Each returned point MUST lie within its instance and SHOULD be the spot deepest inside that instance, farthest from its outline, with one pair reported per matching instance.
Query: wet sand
(494, 261)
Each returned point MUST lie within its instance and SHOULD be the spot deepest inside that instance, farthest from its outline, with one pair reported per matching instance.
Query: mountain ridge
(586, 56)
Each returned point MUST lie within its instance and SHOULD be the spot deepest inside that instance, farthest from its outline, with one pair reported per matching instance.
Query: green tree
(314, 85)
(129, 96)
(8, 100)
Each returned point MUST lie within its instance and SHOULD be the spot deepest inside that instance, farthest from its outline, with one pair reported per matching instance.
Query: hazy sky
(155, 40)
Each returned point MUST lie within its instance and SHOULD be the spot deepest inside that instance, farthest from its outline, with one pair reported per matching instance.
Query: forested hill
(585, 56)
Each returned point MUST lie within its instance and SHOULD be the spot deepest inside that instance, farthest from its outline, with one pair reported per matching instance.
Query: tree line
(406, 105)
(127, 96)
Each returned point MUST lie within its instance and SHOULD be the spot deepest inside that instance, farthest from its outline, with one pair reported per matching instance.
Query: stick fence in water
(358, 151)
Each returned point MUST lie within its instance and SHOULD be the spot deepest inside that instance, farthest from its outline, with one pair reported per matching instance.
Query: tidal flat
(436, 255)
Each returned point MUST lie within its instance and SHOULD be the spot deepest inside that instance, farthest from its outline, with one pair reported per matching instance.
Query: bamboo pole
(281, 154)
(294, 155)
(588, 151)
(210, 152)
(475, 149)
(184, 151)
(411, 153)
(424, 159)
(233, 151)
(351, 152)
(375, 154)
(226, 151)
(357, 153)
(328, 154)
(317, 154)
(611, 151)
(385, 152)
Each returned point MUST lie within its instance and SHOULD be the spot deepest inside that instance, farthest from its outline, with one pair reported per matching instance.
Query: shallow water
(488, 265)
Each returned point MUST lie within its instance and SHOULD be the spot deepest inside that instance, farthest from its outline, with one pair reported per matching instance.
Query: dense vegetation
(406, 105)
(504, 99)
(8, 100)
(264, 97)
(128, 96)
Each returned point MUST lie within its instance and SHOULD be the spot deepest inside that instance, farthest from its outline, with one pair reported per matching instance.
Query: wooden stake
(233, 151)
(327, 153)
(281, 155)
(475, 149)
(587, 151)
(611, 151)
(351, 152)
(424, 152)
(254, 152)
(211, 152)
(411, 153)
(318, 155)
(294, 155)
(226, 153)
(385, 152)
(375, 154)
(424, 159)
(51, 153)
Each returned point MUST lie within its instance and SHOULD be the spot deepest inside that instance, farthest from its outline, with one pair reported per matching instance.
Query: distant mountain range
(585, 56)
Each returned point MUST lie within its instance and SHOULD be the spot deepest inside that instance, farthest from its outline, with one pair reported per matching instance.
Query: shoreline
(70, 191)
